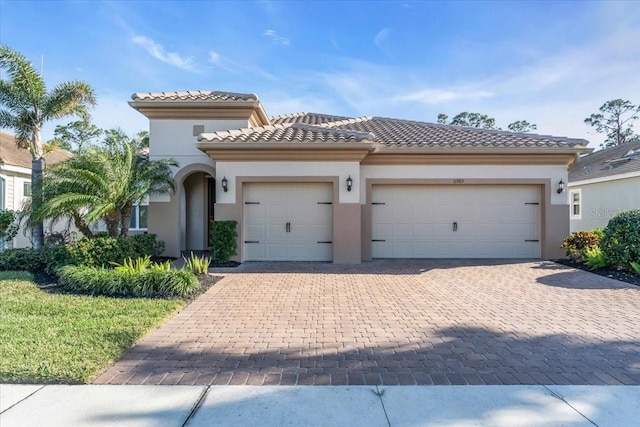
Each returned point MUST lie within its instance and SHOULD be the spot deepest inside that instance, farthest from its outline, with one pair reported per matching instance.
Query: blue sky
(552, 63)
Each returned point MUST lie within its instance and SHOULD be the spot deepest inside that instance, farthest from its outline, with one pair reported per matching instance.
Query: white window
(575, 203)
(26, 189)
(139, 217)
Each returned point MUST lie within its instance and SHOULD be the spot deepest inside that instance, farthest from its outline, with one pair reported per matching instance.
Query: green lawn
(58, 338)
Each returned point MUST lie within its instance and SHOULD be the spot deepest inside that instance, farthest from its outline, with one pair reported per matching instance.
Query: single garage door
(288, 222)
(456, 221)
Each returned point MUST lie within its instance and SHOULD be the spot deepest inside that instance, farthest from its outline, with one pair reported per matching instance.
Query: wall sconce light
(560, 186)
(225, 184)
(349, 183)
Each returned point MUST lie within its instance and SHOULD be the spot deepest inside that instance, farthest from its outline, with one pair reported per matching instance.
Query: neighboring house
(602, 184)
(15, 181)
(317, 187)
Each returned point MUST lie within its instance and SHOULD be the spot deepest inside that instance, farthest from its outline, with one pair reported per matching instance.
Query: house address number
(458, 181)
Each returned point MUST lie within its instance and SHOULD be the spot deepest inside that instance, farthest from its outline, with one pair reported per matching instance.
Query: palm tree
(25, 105)
(104, 183)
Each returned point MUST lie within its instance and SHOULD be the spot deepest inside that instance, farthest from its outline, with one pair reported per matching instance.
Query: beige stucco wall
(342, 170)
(602, 200)
(171, 137)
(554, 173)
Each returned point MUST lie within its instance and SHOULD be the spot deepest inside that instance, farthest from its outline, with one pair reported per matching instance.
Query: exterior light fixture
(225, 184)
(560, 186)
(349, 183)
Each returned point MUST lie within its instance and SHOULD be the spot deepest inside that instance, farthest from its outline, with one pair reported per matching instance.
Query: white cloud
(158, 51)
(440, 96)
(236, 68)
(275, 37)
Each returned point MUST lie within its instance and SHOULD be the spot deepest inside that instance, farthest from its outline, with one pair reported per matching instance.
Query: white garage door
(456, 221)
(288, 222)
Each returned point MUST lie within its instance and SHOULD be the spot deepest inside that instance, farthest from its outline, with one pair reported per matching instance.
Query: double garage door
(294, 221)
(288, 222)
(456, 221)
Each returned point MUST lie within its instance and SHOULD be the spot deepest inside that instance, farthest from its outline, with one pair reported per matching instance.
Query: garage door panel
(381, 249)
(270, 207)
(275, 232)
(492, 221)
(276, 251)
(257, 232)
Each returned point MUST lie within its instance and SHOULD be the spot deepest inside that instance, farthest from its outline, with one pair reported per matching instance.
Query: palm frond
(69, 98)
(22, 74)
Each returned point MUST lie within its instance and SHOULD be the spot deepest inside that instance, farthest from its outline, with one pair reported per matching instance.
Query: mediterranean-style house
(602, 184)
(318, 187)
(15, 182)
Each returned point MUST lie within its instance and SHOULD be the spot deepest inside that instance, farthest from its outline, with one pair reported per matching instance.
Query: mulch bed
(228, 264)
(612, 273)
(206, 281)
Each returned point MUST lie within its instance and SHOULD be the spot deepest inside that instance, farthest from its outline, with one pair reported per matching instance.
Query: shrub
(22, 259)
(595, 258)
(55, 257)
(146, 244)
(129, 265)
(578, 241)
(197, 265)
(8, 225)
(636, 267)
(176, 283)
(105, 250)
(223, 240)
(621, 240)
(146, 283)
(91, 252)
(160, 266)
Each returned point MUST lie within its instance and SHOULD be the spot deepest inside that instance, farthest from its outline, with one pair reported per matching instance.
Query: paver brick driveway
(397, 322)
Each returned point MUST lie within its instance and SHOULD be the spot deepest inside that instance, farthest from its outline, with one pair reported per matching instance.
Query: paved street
(397, 323)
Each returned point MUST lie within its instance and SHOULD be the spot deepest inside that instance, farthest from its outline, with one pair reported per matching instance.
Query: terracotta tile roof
(389, 132)
(612, 161)
(194, 95)
(10, 154)
(406, 133)
(287, 132)
(305, 118)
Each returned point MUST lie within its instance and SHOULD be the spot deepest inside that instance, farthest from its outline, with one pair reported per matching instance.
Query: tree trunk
(125, 219)
(111, 219)
(37, 228)
(82, 226)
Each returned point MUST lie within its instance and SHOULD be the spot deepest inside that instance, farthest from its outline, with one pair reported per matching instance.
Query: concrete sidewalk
(84, 405)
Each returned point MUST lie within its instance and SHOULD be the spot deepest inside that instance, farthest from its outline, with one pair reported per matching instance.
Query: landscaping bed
(50, 337)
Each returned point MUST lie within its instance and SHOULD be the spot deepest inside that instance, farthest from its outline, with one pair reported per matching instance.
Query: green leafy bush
(146, 244)
(223, 240)
(55, 257)
(621, 240)
(578, 241)
(92, 252)
(8, 225)
(133, 266)
(22, 259)
(595, 258)
(146, 283)
(197, 265)
(636, 267)
(105, 250)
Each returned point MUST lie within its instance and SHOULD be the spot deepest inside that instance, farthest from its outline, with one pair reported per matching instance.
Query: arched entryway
(197, 197)
(181, 220)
